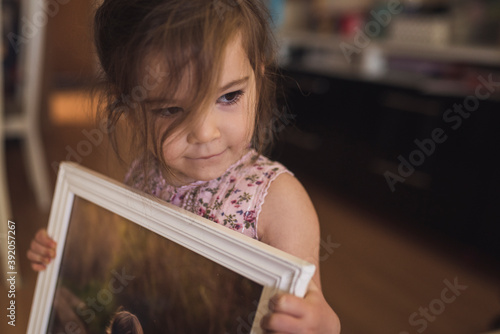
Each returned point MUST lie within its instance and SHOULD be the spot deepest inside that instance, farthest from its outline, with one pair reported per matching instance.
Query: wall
(70, 51)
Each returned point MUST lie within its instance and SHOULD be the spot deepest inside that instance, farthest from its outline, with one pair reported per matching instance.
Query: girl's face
(203, 151)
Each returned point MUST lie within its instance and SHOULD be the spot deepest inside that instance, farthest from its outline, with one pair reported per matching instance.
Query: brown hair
(124, 322)
(183, 36)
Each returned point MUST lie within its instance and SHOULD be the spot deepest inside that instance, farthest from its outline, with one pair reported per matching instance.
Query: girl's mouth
(209, 156)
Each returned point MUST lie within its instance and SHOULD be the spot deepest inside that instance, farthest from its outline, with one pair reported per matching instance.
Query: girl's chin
(183, 179)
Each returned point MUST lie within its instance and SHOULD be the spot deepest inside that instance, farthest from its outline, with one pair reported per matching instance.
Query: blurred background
(391, 116)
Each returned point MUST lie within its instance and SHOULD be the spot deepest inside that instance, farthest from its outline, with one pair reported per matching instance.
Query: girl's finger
(289, 304)
(37, 258)
(44, 239)
(37, 266)
(42, 250)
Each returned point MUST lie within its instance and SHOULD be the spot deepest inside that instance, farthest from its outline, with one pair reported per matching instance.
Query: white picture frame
(268, 267)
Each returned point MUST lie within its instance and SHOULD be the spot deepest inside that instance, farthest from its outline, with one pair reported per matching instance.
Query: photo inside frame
(110, 265)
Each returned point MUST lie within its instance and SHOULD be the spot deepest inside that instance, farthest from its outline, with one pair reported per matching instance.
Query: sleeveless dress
(233, 200)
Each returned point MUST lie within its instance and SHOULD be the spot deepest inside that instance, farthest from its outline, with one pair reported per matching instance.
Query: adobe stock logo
(75, 321)
(116, 284)
(30, 26)
(421, 319)
(453, 118)
(372, 29)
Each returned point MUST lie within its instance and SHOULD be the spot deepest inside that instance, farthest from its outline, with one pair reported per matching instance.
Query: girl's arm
(288, 221)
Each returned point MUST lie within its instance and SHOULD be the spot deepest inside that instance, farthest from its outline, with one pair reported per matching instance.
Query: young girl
(193, 81)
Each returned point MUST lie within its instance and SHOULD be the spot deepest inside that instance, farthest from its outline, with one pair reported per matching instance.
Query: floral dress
(234, 199)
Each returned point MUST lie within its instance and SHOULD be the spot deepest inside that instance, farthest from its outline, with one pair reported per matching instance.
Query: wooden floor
(379, 276)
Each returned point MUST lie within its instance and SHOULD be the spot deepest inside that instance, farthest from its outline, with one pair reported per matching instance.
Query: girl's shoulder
(289, 221)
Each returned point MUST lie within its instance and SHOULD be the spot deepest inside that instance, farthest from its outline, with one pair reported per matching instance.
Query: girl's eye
(230, 98)
(167, 112)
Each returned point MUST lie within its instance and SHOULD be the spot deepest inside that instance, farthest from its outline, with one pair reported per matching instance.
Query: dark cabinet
(429, 159)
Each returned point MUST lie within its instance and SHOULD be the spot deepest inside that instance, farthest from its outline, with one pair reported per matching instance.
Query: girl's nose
(205, 131)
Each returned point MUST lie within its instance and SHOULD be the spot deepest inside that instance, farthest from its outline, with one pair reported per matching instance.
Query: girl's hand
(291, 314)
(42, 250)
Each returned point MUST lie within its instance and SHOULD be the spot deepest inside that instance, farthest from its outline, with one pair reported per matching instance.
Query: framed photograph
(126, 258)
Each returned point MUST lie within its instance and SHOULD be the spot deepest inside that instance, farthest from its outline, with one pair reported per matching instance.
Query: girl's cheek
(172, 149)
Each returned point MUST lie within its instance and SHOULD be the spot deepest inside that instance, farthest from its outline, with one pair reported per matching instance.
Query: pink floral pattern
(234, 199)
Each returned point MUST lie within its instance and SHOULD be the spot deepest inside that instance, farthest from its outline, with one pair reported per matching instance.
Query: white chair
(22, 123)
